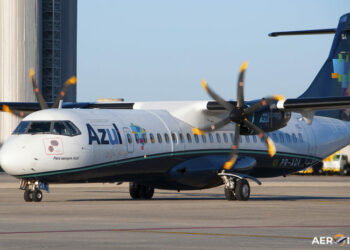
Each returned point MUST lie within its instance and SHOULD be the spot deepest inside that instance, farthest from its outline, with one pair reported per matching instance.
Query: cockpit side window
(21, 128)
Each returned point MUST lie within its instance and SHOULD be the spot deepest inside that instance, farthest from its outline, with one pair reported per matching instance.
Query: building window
(189, 138)
(159, 138)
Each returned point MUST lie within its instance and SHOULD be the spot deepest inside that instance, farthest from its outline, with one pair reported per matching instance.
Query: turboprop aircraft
(182, 145)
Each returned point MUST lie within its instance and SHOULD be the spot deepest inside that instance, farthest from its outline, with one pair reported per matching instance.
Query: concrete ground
(283, 213)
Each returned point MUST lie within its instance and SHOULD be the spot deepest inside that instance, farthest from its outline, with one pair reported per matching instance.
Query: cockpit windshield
(66, 128)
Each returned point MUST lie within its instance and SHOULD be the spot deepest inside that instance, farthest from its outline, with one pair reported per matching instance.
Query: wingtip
(197, 131)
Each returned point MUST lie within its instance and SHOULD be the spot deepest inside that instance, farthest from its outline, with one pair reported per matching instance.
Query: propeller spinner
(239, 115)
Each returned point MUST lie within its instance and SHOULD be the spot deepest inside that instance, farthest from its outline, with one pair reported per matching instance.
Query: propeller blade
(263, 103)
(240, 86)
(234, 154)
(71, 81)
(37, 93)
(212, 127)
(17, 113)
(228, 106)
(270, 145)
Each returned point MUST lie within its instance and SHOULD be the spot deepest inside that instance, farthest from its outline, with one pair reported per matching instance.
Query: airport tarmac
(283, 213)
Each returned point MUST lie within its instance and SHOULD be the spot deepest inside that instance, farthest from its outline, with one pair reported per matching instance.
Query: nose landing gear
(32, 190)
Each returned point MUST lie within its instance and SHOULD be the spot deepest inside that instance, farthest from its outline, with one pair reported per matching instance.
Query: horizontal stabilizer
(303, 32)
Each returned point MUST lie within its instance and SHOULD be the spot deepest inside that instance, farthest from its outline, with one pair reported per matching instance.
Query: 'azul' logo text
(104, 135)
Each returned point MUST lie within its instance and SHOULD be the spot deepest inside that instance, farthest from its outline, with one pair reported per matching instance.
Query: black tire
(37, 195)
(134, 190)
(146, 192)
(242, 190)
(344, 171)
(28, 195)
(229, 194)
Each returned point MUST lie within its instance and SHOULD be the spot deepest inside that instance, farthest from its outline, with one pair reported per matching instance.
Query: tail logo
(341, 66)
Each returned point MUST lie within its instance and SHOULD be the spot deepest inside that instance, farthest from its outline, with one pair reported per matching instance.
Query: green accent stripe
(119, 162)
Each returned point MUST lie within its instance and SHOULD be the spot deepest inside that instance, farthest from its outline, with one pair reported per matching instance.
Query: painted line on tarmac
(165, 229)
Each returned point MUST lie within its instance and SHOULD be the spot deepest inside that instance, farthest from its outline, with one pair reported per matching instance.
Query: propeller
(43, 105)
(239, 115)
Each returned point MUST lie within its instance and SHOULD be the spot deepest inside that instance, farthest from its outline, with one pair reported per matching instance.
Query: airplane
(182, 145)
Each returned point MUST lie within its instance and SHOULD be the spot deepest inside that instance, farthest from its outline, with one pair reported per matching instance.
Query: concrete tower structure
(39, 34)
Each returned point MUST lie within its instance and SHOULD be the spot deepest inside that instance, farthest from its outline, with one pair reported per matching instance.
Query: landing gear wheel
(37, 195)
(242, 190)
(28, 195)
(229, 194)
(138, 191)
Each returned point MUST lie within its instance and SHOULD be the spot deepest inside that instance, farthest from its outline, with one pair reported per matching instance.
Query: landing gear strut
(138, 191)
(235, 188)
(32, 190)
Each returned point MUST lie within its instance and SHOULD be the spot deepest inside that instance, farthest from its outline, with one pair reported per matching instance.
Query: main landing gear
(32, 190)
(236, 186)
(138, 191)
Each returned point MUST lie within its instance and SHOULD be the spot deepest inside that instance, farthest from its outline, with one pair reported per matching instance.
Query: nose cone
(14, 158)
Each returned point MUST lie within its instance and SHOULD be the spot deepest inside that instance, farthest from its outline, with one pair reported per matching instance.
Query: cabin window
(174, 137)
(151, 138)
(211, 139)
(232, 138)
(247, 139)
(300, 138)
(281, 138)
(159, 137)
(294, 138)
(166, 137)
(196, 138)
(274, 137)
(254, 139)
(144, 138)
(225, 138)
(129, 138)
(288, 138)
(137, 139)
(189, 138)
(218, 138)
(204, 139)
(182, 139)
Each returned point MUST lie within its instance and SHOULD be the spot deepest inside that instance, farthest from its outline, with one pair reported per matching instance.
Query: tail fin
(334, 77)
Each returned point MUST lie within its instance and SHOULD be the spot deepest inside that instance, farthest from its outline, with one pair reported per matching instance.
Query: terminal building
(39, 34)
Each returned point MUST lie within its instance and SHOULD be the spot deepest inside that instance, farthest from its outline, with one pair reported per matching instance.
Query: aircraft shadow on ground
(210, 196)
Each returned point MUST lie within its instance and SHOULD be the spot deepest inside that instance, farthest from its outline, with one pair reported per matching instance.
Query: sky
(161, 50)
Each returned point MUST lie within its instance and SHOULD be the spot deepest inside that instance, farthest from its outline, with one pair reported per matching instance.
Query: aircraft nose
(13, 158)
